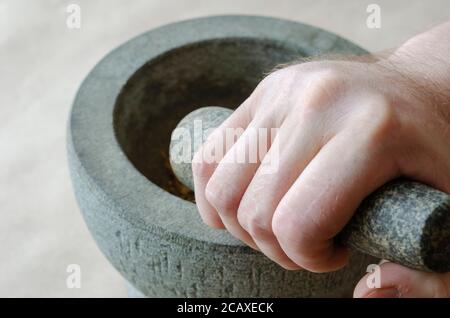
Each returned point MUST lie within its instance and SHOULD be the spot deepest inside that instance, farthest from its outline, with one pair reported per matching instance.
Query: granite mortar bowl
(119, 132)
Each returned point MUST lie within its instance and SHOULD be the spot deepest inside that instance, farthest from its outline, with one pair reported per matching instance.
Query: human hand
(344, 129)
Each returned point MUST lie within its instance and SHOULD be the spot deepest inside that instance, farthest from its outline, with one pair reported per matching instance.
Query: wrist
(424, 61)
(422, 66)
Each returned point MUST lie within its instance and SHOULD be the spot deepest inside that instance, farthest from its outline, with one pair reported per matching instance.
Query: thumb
(396, 281)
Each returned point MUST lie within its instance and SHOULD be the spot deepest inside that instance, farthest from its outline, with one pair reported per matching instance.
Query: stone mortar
(118, 139)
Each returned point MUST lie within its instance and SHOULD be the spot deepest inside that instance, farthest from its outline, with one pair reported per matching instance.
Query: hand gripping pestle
(403, 221)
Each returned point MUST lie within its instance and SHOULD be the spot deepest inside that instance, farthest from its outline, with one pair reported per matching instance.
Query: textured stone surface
(194, 130)
(405, 222)
(118, 142)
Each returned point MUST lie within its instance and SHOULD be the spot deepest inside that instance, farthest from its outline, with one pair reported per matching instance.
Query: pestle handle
(403, 221)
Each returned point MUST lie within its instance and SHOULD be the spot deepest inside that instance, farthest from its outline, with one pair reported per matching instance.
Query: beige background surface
(42, 63)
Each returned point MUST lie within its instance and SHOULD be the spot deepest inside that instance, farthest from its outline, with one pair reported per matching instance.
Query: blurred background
(42, 63)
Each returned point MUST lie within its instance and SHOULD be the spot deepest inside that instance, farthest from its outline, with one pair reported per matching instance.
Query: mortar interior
(157, 96)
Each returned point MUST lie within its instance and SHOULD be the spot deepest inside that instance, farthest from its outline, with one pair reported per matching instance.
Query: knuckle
(271, 86)
(329, 76)
(221, 198)
(380, 119)
(256, 225)
(323, 87)
(328, 79)
(299, 230)
(283, 226)
(303, 241)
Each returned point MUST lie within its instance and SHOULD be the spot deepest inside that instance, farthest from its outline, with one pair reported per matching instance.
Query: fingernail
(383, 293)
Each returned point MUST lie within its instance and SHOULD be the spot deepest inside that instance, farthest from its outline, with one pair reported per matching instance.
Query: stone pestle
(404, 221)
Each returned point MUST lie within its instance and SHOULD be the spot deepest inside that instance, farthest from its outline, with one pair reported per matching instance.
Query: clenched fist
(337, 130)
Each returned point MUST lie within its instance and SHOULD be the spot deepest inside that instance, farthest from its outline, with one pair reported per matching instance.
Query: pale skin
(345, 129)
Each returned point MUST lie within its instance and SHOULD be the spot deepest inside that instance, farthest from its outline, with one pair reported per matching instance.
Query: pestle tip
(189, 135)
